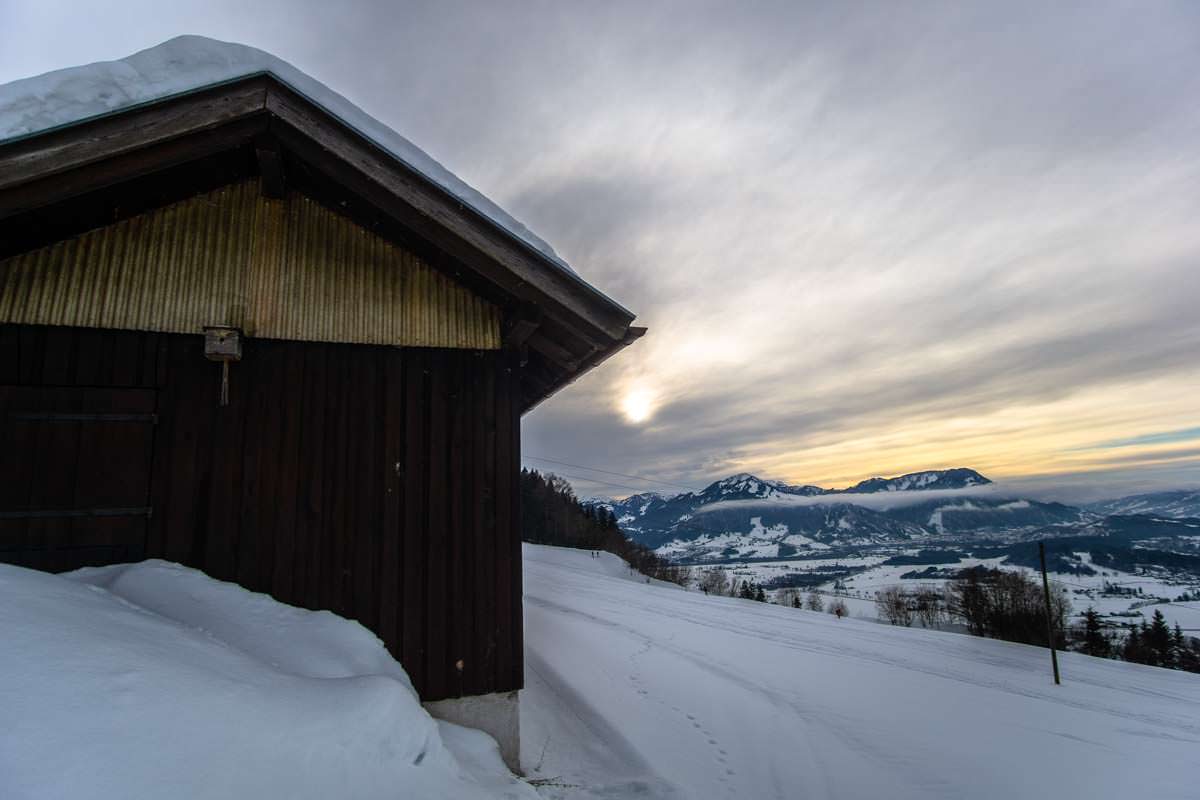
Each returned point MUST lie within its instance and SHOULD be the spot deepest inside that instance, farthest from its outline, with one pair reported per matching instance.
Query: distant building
(375, 330)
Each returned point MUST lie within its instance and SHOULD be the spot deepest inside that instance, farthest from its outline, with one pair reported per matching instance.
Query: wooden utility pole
(1049, 616)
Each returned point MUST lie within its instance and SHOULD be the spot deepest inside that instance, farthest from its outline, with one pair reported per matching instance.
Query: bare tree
(814, 602)
(838, 608)
(892, 604)
(714, 581)
(786, 597)
(929, 608)
(1008, 605)
(675, 573)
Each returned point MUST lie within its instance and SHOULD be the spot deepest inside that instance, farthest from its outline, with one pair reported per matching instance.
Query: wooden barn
(251, 333)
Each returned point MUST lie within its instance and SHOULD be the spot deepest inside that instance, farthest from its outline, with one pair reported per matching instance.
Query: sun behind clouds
(638, 405)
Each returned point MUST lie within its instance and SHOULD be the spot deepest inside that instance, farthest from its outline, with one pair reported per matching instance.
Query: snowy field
(635, 690)
(1084, 590)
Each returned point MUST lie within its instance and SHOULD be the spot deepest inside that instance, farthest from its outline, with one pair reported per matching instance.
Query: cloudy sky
(865, 241)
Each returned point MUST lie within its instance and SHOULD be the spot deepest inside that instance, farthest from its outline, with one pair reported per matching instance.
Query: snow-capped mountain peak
(958, 478)
(744, 485)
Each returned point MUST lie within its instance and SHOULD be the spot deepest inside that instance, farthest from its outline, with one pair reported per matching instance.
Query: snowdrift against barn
(154, 680)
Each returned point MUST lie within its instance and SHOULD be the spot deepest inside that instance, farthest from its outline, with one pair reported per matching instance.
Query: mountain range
(1180, 504)
(744, 516)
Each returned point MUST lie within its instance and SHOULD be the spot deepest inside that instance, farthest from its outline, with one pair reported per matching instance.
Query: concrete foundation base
(497, 715)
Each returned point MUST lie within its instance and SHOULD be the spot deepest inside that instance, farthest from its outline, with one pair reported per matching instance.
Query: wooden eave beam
(538, 379)
(519, 333)
(561, 356)
(519, 325)
(56, 188)
(270, 167)
(545, 387)
(63, 163)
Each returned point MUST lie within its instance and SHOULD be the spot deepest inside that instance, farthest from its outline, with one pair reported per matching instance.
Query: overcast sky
(865, 242)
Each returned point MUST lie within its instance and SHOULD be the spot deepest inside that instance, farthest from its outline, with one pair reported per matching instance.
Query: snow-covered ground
(154, 681)
(636, 690)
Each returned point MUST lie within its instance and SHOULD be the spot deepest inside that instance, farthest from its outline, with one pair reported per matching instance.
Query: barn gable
(285, 268)
(61, 182)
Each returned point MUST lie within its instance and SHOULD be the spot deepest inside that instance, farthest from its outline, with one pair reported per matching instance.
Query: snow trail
(697, 696)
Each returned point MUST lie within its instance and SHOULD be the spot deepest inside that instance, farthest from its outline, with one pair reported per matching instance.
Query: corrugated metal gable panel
(277, 269)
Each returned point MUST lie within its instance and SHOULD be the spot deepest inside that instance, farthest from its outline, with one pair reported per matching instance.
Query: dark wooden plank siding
(509, 528)
(490, 544)
(458, 478)
(74, 474)
(390, 565)
(10, 355)
(437, 551)
(412, 645)
(67, 357)
(376, 482)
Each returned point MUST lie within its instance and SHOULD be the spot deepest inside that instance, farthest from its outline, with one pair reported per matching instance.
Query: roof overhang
(60, 182)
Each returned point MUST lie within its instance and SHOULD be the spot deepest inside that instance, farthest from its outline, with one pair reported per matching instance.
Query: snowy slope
(153, 680)
(634, 690)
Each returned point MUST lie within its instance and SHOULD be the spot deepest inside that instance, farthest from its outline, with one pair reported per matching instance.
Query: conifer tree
(1178, 647)
(1158, 641)
(1132, 649)
(1095, 642)
(1188, 656)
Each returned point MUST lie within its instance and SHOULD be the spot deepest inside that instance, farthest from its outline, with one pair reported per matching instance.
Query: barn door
(74, 475)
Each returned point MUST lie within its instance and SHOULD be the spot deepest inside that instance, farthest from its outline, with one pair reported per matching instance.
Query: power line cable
(610, 472)
(604, 483)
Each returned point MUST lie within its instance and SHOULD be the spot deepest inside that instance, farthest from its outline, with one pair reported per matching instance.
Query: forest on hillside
(552, 514)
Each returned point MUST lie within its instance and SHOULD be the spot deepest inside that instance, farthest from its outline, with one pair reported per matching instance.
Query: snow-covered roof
(188, 63)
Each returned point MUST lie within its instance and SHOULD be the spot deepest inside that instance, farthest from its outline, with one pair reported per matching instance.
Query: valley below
(1125, 558)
